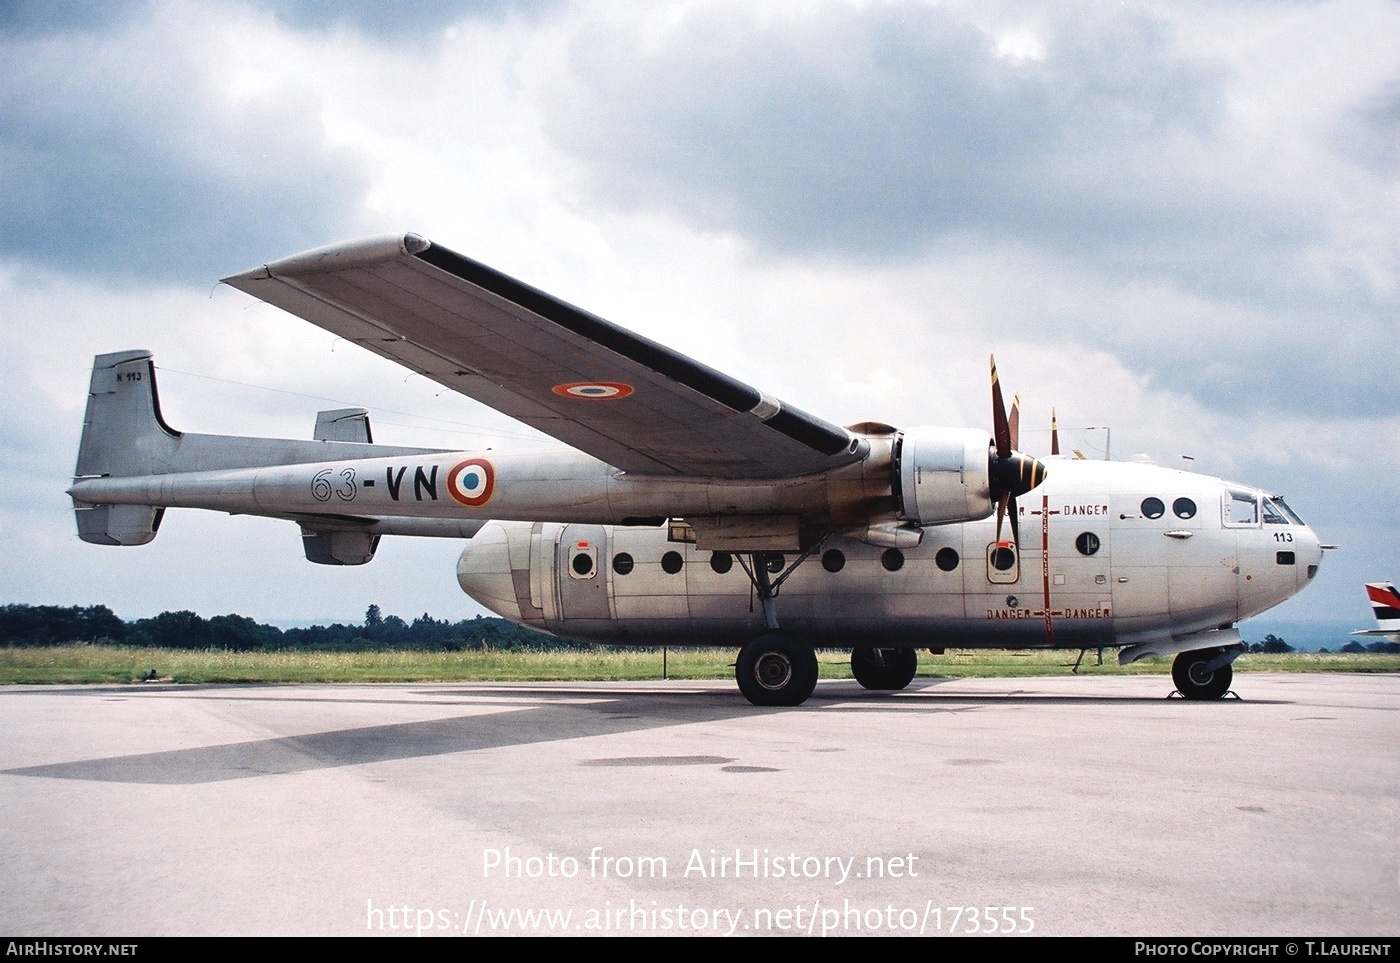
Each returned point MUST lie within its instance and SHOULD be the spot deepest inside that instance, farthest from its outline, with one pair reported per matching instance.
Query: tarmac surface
(1045, 805)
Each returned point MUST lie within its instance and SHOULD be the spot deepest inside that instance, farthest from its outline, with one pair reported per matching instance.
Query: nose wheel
(1204, 674)
(773, 670)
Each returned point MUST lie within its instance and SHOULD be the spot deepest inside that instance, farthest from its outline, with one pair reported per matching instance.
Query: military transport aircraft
(686, 507)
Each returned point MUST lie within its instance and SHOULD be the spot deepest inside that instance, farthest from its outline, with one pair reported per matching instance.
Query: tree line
(34, 625)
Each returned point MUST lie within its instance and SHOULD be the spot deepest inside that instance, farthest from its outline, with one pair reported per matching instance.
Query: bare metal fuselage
(1093, 570)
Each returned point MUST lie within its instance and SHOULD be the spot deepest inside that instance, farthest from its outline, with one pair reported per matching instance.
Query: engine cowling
(941, 475)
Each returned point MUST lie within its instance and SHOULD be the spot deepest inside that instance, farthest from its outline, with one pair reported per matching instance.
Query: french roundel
(594, 390)
(472, 482)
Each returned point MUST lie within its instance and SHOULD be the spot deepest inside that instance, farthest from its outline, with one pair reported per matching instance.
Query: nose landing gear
(1204, 673)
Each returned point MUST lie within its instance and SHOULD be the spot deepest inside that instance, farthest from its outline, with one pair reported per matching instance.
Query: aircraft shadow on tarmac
(546, 715)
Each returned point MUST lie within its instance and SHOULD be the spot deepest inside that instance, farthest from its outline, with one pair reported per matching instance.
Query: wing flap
(602, 389)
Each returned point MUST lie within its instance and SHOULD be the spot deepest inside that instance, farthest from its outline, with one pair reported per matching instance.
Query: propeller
(1054, 433)
(1012, 472)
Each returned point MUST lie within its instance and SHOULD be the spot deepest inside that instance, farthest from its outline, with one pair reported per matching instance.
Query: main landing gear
(883, 670)
(774, 669)
(1204, 673)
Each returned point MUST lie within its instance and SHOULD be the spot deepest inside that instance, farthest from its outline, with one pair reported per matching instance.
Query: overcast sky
(1180, 220)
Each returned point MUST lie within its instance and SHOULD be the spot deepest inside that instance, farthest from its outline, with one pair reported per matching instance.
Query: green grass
(123, 664)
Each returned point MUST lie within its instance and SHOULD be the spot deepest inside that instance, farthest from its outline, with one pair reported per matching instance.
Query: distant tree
(55, 625)
(1273, 644)
(242, 634)
(176, 630)
(1353, 646)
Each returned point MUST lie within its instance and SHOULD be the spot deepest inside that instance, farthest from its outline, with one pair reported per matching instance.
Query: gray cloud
(42, 17)
(120, 157)
(870, 133)
(1371, 135)
(392, 20)
(1102, 140)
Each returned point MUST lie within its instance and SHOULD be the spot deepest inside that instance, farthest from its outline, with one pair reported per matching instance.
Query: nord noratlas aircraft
(685, 507)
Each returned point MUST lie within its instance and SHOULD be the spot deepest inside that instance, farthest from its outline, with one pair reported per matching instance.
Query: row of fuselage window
(833, 560)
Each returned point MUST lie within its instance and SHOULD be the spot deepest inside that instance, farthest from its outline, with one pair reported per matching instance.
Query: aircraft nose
(1309, 555)
(483, 571)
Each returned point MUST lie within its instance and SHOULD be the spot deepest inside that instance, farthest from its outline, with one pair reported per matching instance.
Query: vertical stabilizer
(1385, 603)
(123, 435)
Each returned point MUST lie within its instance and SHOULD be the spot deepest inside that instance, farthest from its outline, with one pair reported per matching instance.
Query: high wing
(622, 398)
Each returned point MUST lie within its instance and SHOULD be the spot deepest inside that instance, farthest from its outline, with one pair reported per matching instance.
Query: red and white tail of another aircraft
(1385, 603)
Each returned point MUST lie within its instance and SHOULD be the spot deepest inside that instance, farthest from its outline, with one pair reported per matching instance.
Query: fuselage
(1110, 554)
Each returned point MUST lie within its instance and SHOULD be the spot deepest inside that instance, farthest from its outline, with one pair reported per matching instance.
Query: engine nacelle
(941, 475)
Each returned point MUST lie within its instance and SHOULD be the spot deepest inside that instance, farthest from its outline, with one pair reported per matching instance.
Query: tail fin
(123, 435)
(1385, 603)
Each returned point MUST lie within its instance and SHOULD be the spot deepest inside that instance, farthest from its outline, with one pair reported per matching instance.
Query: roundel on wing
(594, 390)
(472, 482)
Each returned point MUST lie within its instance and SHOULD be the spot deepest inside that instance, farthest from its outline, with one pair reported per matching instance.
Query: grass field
(121, 664)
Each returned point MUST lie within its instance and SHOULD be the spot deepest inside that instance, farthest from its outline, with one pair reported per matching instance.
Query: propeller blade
(1001, 431)
(1009, 471)
(1054, 433)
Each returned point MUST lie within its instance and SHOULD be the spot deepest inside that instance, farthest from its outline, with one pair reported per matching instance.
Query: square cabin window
(1239, 509)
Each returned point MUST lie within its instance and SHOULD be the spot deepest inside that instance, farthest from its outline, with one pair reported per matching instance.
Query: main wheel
(1195, 681)
(774, 670)
(883, 669)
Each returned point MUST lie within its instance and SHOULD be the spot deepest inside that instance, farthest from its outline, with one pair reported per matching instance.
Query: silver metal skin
(686, 507)
(1143, 588)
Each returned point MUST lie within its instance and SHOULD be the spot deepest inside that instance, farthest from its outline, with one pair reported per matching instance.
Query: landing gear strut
(883, 669)
(1204, 673)
(774, 669)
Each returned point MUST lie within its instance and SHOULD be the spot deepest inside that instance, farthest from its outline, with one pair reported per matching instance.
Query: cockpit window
(1272, 515)
(1240, 508)
(1279, 504)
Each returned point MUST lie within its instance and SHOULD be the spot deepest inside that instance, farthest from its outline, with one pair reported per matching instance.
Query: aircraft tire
(883, 670)
(774, 670)
(1194, 682)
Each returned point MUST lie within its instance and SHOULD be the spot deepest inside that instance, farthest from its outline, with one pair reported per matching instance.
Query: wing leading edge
(620, 397)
